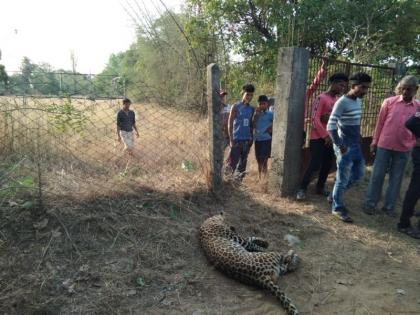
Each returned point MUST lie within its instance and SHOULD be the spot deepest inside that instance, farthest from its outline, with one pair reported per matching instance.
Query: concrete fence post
(215, 130)
(292, 74)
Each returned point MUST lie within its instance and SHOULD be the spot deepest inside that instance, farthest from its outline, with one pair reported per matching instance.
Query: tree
(358, 30)
(4, 80)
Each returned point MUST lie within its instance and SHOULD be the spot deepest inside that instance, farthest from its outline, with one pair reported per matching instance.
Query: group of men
(242, 126)
(336, 135)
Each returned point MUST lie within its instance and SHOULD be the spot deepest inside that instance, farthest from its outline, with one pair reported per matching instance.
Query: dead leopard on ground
(247, 259)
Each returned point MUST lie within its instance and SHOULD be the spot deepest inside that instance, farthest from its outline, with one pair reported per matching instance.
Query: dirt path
(139, 254)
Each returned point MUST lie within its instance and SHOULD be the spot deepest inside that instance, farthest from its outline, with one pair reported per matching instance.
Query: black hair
(126, 100)
(262, 98)
(337, 77)
(248, 88)
(359, 78)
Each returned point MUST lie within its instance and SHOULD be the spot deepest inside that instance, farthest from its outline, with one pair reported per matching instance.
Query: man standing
(263, 126)
(413, 192)
(320, 146)
(240, 133)
(344, 129)
(391, 145)
(126, 122)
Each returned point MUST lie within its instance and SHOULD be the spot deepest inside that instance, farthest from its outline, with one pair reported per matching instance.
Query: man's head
(263, 102)
(338, 83)
(247, 93)
(360, 84)
(126, 103)
(407, 87)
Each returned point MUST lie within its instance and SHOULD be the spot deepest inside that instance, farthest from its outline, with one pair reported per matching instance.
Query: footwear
(412, 232)
(342, 215)
(390, 213)
(369, 210)
(301, 194)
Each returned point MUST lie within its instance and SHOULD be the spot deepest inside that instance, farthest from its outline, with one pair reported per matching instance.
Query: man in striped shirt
(344, 129)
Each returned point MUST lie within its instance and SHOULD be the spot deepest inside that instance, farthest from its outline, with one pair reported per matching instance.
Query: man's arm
(322, 72)
(383, 113)
(251, 127)
(118, 127)
(257, 114)
(134, 125)
(232, 117)
(317, 119)
(332, 126)
(413, 124)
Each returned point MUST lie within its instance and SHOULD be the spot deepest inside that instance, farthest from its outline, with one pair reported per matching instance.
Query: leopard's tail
(285, 301)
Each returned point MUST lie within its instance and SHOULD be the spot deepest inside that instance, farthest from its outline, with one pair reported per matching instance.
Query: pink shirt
(390, 132)
(321, 110)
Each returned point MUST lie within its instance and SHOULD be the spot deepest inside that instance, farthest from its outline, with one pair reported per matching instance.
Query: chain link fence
(383, 84)
(59, 134)
(54, 145)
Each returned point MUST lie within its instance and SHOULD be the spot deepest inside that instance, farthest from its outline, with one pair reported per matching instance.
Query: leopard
(247, 259)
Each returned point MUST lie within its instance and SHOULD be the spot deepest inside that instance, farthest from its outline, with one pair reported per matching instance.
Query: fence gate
(383, 84)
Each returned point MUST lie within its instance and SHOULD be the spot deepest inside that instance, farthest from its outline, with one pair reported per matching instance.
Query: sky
(48, 31)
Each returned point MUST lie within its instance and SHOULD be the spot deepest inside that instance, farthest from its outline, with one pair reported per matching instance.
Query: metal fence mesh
(56, 146)
(59, 135)
(383, 83)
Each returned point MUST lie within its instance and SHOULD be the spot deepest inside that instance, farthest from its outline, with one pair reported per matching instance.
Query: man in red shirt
(320, 146)
(391, 144)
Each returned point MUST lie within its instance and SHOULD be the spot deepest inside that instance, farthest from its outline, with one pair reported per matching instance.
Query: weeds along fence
(56, 146)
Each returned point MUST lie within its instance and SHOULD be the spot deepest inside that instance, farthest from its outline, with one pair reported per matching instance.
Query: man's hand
(327, 141)
(343, 149)
(373, 148)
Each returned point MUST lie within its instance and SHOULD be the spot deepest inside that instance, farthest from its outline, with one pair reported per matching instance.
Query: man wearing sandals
(391, 144)
(413, 192)
(344, 129)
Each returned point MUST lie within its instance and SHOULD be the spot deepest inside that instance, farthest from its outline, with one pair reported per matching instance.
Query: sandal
(412, 232)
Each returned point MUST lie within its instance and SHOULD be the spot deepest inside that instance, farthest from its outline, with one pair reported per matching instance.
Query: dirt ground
(138, 253)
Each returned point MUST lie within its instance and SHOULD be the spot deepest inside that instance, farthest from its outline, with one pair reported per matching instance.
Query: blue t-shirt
(264, 121)
(242, 122)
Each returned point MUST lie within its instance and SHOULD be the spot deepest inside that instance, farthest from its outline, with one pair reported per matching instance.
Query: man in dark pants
(320, 145)
(240, 134)
(413, 192)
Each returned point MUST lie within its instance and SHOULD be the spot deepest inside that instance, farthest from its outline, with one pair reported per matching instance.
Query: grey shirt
(126, 120)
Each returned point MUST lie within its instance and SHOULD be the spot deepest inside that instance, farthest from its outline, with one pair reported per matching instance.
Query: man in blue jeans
(344, 129)
(240, 133)
(391, 144)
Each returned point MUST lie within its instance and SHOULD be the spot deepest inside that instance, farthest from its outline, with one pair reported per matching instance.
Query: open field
(117, 240)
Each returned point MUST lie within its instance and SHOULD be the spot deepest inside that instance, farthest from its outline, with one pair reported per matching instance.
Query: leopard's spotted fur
(246, 259)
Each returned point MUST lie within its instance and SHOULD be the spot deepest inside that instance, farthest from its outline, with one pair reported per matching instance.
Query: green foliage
(66, 117)
(362, 31)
